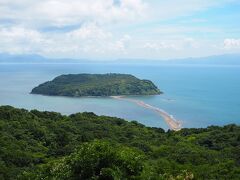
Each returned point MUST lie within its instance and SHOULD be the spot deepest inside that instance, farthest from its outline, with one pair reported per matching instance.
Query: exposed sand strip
(169, 119)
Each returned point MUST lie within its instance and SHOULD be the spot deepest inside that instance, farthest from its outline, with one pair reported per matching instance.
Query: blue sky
(113, 29)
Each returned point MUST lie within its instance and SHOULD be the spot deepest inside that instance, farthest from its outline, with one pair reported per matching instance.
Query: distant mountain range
(30, 58)
(226, 59)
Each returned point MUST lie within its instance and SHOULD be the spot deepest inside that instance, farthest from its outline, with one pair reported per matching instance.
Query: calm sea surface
(198, 96)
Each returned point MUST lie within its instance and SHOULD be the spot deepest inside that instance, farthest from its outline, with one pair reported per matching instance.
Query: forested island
(77, 85)
(47, 145)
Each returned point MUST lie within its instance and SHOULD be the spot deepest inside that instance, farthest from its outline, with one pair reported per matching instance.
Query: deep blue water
(199, 96)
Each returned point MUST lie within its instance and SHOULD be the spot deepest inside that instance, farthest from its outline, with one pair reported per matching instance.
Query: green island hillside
(76, 85)
(47, 145)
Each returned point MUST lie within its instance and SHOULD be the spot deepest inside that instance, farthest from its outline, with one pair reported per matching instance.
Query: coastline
(169, 119)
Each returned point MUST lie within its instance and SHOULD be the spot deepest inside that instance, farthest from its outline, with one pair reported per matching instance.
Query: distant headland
(78, 85)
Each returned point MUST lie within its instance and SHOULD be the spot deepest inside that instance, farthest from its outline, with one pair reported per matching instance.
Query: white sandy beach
(169, 119)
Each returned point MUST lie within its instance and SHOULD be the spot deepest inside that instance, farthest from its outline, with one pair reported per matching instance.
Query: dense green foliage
(48, 145)
(96, 85)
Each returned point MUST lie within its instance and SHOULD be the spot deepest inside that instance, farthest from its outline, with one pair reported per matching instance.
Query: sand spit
(169, 119)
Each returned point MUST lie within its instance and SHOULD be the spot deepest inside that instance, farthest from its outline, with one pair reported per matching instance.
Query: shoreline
(169, 119)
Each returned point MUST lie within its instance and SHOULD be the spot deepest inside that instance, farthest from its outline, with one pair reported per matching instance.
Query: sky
(115, 29)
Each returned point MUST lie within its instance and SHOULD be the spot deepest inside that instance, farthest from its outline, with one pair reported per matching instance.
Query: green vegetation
(48, 145)
(96, 85)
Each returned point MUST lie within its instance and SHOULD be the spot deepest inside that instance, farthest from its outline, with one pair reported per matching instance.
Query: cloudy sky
(112, 29)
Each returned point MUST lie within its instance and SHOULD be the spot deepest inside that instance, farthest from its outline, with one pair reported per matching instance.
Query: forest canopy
(76, 85)
(48, 145)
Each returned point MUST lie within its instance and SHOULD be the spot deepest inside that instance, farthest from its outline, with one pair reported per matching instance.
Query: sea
(196, 95)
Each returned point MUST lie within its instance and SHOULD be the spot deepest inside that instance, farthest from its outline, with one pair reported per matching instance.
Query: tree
(95, 160)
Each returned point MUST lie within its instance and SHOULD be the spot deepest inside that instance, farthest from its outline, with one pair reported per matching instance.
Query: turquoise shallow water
(199, 96)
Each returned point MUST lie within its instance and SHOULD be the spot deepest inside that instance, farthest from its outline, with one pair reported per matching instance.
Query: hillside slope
(38, 145)
(76, 85)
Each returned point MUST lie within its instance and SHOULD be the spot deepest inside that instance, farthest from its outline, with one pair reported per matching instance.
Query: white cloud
(230, 44)
(89, 31)
(70, 12)
(110, 28)
(88, 41)
(122, 43)
(190, 43)
(21, 40)
(176, 44)
(159, 46)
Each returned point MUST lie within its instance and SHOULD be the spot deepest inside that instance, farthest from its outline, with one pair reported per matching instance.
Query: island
(111, 84)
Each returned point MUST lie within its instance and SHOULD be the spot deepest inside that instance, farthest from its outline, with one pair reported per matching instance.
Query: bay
(198, 96)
